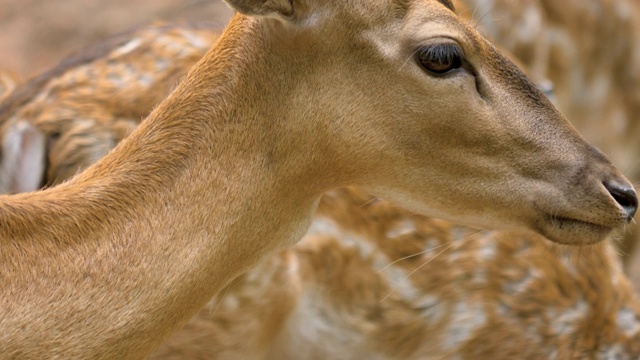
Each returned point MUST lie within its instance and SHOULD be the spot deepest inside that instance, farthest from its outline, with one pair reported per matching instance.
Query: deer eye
(440, 58)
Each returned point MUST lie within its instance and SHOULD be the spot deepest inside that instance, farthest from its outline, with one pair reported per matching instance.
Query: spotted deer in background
(368, 279)
(91, 101)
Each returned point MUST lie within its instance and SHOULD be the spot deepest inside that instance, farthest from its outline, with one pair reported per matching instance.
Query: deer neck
(213, 181)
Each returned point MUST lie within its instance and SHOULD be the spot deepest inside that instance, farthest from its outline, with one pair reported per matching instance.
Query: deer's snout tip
(624, 195)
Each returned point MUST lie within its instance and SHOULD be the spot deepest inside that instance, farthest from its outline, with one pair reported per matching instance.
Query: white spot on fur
(472, 317)
(323, 226)
(458, 233)
(521, 286)
(398, 280)
(170, 46)
(480, 276)
(128, 47)
(503, 310)
(162, 64)
(431, 307)
(565, 259)
(326, 227)
(431, 245)
(487, 252)
(405, 227)
(116, 80)
(195, 40)
(145, 80)
(565, 322)
(313, 324)
(628, 322)
(615, 352)
(230, 302)
(454, 255)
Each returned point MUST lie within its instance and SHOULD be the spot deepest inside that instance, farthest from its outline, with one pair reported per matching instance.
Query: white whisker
(418, 268)
(408, 59)
(410, 256)
(220, 300)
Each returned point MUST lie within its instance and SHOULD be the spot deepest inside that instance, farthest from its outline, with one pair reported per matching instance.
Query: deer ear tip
(262, 7)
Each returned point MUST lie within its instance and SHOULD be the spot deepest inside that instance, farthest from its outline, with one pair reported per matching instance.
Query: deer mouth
(572, 231)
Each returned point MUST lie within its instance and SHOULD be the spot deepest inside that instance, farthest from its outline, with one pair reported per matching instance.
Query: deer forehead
(343, 17)
(397, 30)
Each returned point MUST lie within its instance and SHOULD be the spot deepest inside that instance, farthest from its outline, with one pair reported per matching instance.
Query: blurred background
(36, 34)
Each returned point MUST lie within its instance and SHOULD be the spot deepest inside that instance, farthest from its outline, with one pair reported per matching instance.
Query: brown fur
(143, 197)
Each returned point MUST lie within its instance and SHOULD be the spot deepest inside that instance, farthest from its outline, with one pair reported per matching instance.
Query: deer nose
(625, 196)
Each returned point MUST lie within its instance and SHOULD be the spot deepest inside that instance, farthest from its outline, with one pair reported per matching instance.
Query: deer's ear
(280, 8)
(23, 158)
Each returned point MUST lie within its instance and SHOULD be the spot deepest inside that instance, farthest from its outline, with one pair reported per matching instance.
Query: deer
(180, 191)
(382, 267)
(246, 311)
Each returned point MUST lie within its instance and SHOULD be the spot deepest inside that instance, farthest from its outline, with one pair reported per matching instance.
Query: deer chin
(571, 231)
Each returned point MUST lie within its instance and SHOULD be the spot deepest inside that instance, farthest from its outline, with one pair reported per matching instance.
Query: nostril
(625, 196)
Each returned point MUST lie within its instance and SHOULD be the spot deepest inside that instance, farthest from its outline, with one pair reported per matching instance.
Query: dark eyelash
(442, 53)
